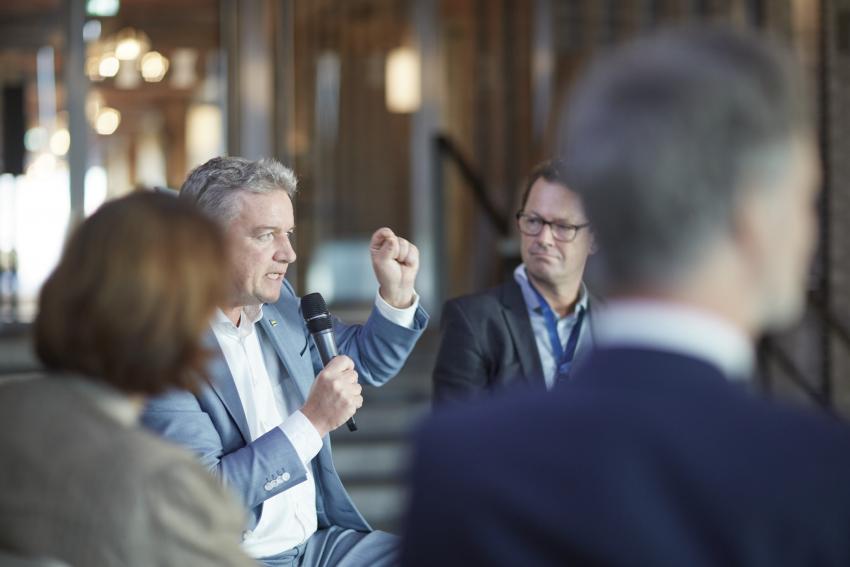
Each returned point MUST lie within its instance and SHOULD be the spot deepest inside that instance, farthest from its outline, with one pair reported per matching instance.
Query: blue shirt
(565, 326)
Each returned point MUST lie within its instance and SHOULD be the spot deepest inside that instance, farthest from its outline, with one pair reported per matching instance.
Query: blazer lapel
(223, 385)
(281, 325)
(515, 314)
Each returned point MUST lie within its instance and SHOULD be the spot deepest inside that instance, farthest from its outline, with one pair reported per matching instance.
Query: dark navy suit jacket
(644, 459)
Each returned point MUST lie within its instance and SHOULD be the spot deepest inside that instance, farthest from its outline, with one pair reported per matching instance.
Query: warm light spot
(403, 93)
(154, 66)
(107, 121)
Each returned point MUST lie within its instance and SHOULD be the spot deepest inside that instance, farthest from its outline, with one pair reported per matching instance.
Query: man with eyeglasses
(531, 330)
(695, 154)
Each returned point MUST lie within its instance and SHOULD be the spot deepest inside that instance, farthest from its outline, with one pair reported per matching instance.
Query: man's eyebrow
(266, 228)
(561, 220)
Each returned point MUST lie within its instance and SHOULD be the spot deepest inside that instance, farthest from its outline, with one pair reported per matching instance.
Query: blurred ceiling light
(128, 49)
(107, 121)
(402, 80)
(91, 30)
(129, 44)
(109, 65)
(154, 66)
(60, 142)
(102, 8)
(35, 139)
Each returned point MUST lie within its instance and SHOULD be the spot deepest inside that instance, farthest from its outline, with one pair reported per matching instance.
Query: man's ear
(752, 231)
(593, 246)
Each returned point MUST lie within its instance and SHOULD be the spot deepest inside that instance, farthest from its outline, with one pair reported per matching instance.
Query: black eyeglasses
(532, 225)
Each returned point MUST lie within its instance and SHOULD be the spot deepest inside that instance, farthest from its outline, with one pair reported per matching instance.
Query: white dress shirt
(565, 326)
(289, 518)
(676, 328)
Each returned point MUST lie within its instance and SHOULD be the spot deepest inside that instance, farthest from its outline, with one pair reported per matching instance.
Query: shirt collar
(676, 328)
(251, 314)
(521, 278)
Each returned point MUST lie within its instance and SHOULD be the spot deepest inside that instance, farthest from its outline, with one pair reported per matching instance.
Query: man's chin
(540, 273)
(272, 295)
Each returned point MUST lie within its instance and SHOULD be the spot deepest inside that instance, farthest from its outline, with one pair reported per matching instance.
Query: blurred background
(423, 115)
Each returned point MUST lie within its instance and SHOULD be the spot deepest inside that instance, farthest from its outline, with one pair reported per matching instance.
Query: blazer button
(285, 476)
(268, 486)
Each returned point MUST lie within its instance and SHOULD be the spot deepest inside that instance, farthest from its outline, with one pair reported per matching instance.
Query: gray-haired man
(695, 156)
(262, 424)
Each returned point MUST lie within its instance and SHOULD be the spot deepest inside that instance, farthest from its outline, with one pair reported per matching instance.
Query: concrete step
(382, 506)
(16, 352)
(371, 463)
(378, 421)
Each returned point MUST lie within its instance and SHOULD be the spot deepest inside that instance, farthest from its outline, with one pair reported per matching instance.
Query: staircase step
(382, 506)
(369, 462)
(382, 421)
(16, 351)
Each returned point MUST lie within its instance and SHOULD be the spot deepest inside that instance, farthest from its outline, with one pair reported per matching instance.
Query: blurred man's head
(133, 294)
(253, 202)
(694, 153)
(555, 235)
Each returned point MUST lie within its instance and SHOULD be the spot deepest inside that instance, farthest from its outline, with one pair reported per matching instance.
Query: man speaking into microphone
(262, 424)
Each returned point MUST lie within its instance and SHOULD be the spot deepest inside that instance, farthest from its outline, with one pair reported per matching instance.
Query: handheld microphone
(319, 323)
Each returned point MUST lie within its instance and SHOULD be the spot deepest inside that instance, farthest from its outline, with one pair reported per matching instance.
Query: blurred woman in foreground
(120, 318)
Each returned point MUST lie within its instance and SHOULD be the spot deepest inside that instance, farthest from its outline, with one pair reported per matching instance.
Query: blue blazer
(643, 458)
(212, 424)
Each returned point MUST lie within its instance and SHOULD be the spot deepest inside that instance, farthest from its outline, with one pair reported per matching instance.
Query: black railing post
(826, 197)
(439, 223)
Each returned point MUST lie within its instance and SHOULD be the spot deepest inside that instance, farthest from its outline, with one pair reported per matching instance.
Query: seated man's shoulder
(484, 300)
(176, 399)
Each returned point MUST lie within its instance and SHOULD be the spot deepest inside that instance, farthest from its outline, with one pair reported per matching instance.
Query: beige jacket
(80, 482)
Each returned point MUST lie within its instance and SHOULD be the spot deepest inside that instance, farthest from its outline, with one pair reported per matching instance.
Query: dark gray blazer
(487, 344)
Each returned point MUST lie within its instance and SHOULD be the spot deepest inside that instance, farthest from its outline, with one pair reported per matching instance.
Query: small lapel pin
(273, 322)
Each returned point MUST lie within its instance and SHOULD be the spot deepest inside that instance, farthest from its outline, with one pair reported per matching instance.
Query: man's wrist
(303, 434)
(404, 317)
(399, 299)
(320, 427)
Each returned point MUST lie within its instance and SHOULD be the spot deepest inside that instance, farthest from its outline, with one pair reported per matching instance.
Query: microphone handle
(326, 344)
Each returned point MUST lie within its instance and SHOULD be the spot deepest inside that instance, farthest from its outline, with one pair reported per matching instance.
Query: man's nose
(545, 236)
(285, 251)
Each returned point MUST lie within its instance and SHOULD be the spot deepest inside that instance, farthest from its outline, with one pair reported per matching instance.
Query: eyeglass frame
(576, 228)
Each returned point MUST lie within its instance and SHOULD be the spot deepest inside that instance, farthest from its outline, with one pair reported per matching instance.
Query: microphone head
(315, 312)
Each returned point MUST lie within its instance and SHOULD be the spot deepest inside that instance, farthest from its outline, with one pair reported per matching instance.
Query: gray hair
(215, 186)
(664, 136)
